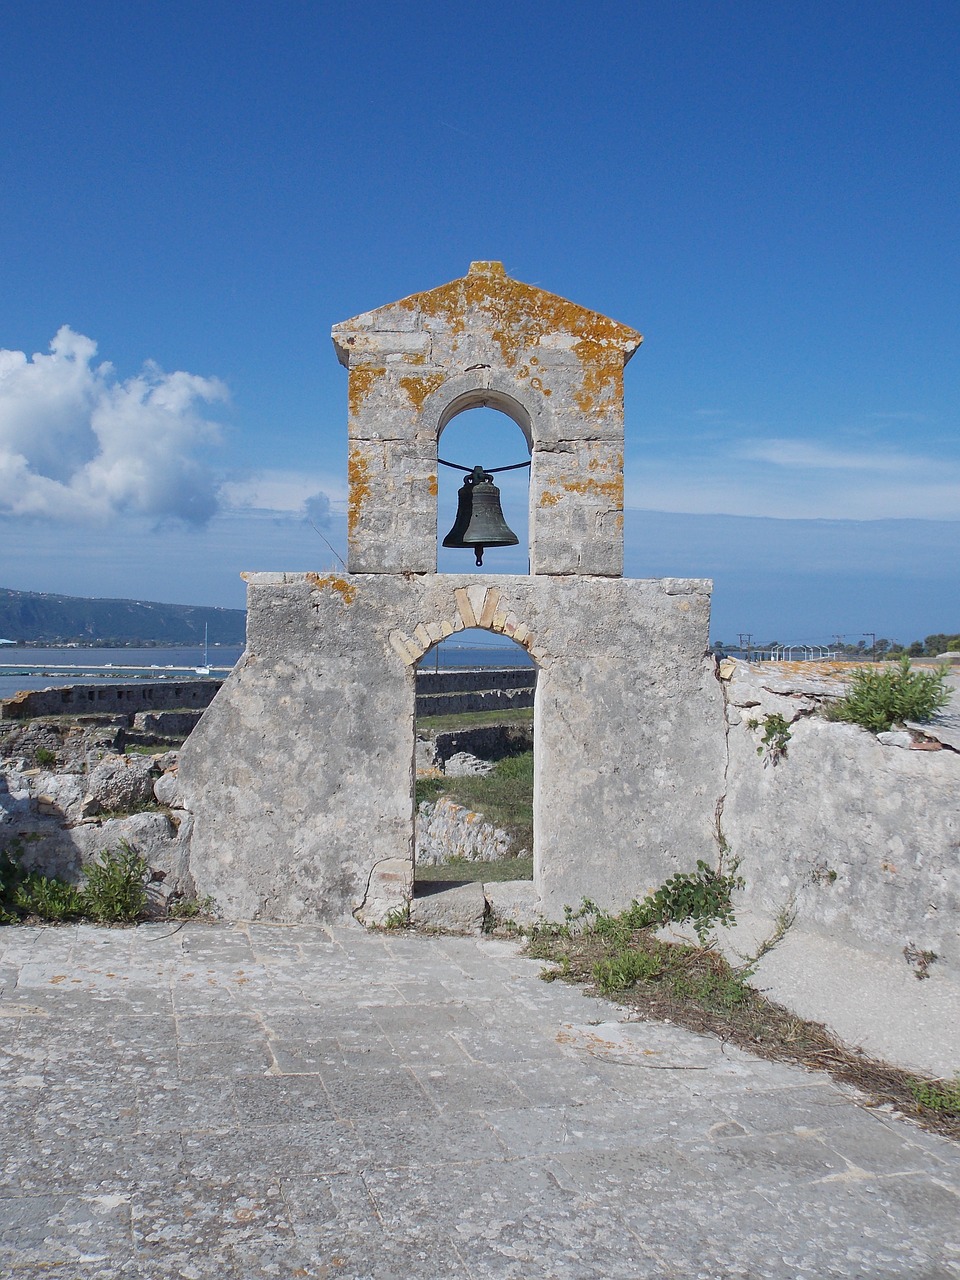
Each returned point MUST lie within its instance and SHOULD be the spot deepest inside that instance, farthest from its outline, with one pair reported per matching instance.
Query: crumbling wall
(857, 837)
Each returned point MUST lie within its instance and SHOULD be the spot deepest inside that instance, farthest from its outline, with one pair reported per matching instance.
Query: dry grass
(695, 987)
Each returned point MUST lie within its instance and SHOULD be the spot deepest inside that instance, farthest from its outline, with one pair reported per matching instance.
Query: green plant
(43, 755)
(941, 1096)
(701, 897)
(48, 898)
(11, 876)
(622, 970)
(398, 918)
(427, 789)
(877, 700)
(115, 889)
(189, 908)
(776, 735)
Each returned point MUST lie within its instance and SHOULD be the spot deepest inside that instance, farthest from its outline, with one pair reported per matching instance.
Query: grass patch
(504, 796)
(474, 719)
(460, 869)
(696, 987)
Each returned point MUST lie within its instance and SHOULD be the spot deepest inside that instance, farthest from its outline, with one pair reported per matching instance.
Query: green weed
(940, 1096)
(48, 898)
(702, 898)
(776, 735)
(877, 700)
(115, 888)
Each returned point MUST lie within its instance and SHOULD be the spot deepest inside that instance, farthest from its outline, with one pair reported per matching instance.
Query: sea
(23, 667)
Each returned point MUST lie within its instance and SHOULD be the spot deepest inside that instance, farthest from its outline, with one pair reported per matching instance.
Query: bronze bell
(479, 523)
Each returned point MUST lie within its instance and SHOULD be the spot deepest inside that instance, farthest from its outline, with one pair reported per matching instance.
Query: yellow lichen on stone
(520, 315)
(358, 477)
(331, 582)
(432, 485)
(418, 387)
(360, 383)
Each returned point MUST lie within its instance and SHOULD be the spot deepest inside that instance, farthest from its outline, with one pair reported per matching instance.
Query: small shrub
(44, 756)
(48, 898)
(877, 700)
(115, 888)
(702, 897)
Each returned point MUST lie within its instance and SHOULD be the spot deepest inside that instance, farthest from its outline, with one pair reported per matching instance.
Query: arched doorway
(475, 762)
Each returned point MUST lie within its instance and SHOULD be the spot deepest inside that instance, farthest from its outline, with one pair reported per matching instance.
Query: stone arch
(474, 606)
(489, 388)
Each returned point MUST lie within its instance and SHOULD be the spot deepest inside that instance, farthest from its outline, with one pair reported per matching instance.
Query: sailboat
(205, 669)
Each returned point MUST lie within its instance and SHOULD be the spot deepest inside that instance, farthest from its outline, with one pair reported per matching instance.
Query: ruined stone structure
(300, 775)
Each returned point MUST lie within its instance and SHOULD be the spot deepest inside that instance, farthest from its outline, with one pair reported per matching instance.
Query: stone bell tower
(300, 775)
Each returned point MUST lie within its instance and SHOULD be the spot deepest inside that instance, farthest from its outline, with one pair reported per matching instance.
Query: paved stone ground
(269, 1101)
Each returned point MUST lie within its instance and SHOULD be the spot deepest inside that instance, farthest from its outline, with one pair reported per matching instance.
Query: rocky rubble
(446, 831)
(67, 793)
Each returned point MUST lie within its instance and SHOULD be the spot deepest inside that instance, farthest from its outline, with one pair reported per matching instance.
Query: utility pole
(873, 644)
(839, 640)
(746, 642)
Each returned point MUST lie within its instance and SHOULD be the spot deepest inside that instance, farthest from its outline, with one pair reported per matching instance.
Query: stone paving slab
(247, 1101)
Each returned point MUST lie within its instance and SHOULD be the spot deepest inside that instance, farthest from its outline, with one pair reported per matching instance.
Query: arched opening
(483, 434)
(475, 760)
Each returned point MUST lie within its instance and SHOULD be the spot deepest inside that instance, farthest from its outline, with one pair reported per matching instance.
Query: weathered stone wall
(860, 839)
(455, 691)
(489, 742)
(57, 820)
(88, 699)
(446, 830)
(300, 775)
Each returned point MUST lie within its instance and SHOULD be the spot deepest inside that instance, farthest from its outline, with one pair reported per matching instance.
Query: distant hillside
(36, 617)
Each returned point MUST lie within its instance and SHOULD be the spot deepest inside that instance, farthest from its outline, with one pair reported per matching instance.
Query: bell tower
(300, 776)
(486, 340)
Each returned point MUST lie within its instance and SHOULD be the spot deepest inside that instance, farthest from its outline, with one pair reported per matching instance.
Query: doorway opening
(475, 760)
(490, 439)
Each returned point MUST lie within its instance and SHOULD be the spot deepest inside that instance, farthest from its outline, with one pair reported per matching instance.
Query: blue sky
(192, 194)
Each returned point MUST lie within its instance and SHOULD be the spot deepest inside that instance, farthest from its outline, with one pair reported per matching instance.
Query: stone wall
(858, 839)
(454, 691)
(300, 775)
(106, 699)
(446, 830)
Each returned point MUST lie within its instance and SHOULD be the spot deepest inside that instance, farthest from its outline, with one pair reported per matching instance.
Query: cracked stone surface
(305, 1101)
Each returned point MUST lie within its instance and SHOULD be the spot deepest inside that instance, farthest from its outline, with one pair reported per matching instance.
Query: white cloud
(797, 480)
(285, 491)
(77, 443)
(801, 453)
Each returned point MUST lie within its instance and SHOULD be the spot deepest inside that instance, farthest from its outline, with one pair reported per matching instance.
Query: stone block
(459, 909)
